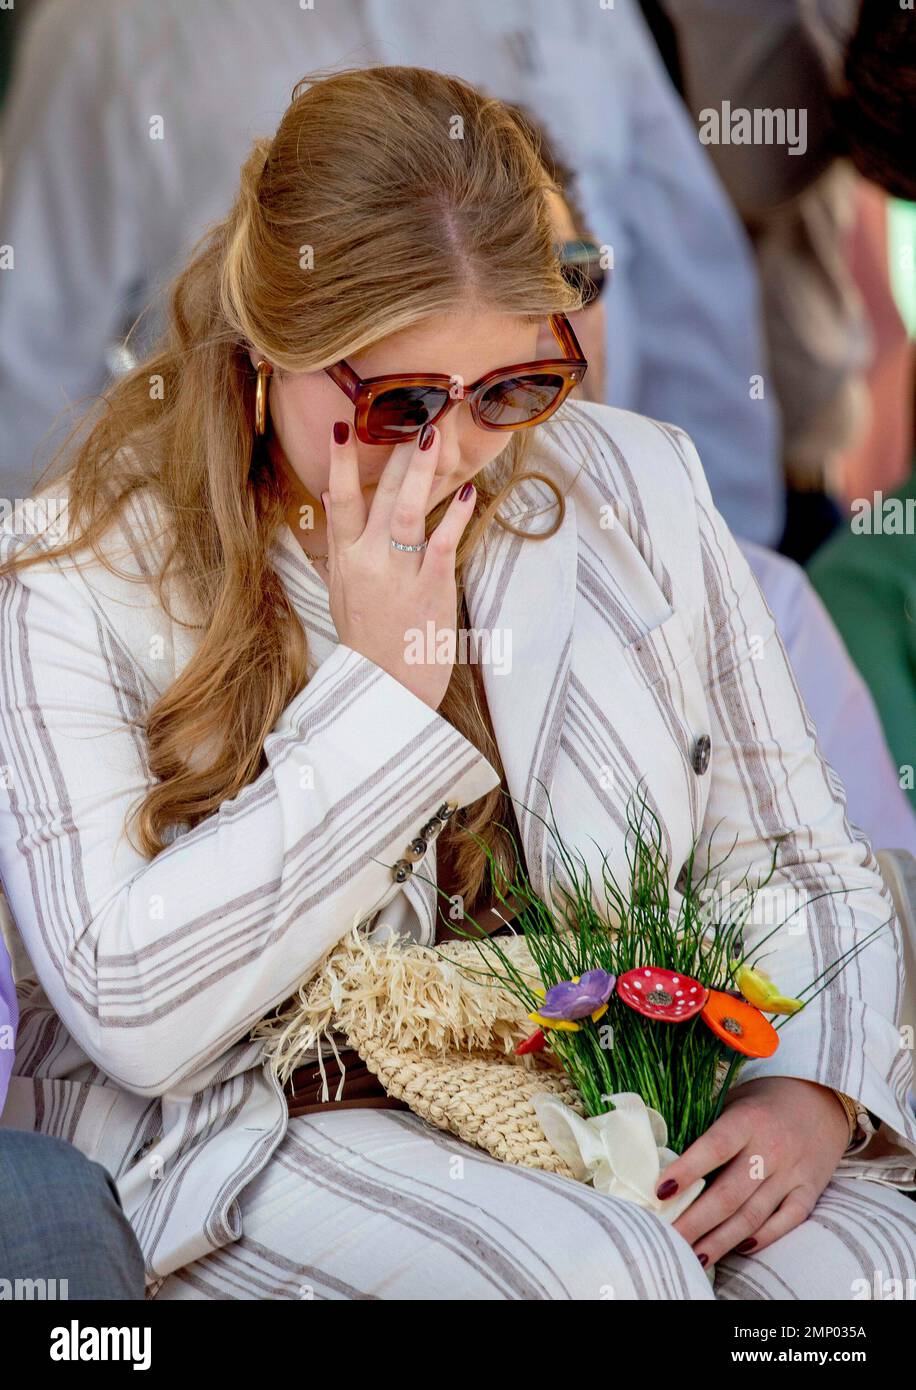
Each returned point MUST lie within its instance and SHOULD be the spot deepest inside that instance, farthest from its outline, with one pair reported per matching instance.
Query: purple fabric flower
(570, 1000)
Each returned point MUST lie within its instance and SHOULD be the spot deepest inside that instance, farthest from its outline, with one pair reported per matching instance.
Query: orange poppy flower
(739, 1025)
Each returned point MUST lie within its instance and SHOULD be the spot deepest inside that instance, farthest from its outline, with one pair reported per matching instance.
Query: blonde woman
(219, 754)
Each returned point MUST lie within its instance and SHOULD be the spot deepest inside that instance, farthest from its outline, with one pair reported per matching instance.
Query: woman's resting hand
(777, 1142)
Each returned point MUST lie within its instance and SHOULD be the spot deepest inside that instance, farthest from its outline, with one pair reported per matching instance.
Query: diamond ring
(399, 545)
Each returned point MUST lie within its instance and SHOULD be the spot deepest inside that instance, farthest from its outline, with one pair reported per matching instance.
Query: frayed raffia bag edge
(402, 995)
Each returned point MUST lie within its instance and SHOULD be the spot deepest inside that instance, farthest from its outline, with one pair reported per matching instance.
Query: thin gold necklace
(281, 461)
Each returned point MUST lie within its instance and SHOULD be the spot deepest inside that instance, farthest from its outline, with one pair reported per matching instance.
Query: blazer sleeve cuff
(881, 1085)
(387, 737)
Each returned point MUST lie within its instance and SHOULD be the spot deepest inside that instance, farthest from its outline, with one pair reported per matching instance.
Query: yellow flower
(566, 1025)
(759, 990)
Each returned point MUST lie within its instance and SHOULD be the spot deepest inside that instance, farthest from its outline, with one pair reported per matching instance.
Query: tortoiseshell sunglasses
(391, 409)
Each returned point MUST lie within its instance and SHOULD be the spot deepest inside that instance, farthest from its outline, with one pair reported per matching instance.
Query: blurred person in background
(866, 577)
(866, 574)
(836, 694)
(856, 726)
(63, 1233)
(881, 458)
(845, 73)
(120, 144)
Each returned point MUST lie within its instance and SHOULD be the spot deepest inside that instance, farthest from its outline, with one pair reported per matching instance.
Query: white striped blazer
(638, 632)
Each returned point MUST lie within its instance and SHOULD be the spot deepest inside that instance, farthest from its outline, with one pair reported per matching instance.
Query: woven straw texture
(437, 1033)
(485, 1098)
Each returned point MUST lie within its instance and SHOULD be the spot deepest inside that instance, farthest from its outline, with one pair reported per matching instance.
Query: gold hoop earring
(260, 397)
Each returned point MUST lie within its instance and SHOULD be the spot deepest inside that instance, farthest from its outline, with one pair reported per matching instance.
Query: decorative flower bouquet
(650, 1011)
(585, 1041)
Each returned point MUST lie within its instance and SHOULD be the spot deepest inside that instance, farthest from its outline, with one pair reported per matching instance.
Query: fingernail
(703, 1259)
(427, 435)
(667, 1189)
(325, 498)
(341, 431)
(745, 1246)
(465, 492)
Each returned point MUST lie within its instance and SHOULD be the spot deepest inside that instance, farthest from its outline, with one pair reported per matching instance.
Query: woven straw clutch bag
(438, 1034)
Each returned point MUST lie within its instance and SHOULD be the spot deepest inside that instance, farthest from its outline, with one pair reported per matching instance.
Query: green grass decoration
(678, 1068)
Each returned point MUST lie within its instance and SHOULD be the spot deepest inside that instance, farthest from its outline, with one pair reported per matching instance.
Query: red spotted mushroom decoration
(663, 995)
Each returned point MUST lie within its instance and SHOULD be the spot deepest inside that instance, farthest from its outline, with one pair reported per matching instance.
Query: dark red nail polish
(745, 1246)
(703, 1259)
(465, 492)
(341, 431)
(427, 435)
(667, 1189)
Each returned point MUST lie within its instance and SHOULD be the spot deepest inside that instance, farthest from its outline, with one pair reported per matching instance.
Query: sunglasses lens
(520, 399)
(403, 411)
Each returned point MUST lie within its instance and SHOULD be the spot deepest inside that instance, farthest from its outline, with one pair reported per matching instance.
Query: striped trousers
(378, 1204)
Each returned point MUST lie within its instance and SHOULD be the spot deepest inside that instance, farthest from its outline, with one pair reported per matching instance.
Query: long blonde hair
(387, 195)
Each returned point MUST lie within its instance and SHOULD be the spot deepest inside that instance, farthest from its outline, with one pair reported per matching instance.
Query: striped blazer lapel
(521, 604)
(524, 593)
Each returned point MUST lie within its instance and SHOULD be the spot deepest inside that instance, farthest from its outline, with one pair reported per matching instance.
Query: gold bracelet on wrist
(852, 1114)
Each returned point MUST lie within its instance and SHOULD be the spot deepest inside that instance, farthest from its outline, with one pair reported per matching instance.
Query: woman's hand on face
(778, 1142)
(377, 594)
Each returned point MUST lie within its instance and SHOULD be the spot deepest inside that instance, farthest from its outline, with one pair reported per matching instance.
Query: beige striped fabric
(615, 644)
(373, 1204)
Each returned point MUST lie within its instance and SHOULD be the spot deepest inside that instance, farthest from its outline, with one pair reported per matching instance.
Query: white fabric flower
(622, 1153)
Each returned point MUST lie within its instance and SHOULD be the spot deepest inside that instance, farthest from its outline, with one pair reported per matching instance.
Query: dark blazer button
(402, 870)
(431, 828)
(445, 812)
(701, 754)
(416, 849)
